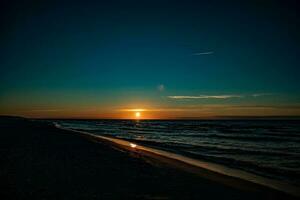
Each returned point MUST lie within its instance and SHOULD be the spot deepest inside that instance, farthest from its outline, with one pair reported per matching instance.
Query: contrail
(203, 53)
(206, 97)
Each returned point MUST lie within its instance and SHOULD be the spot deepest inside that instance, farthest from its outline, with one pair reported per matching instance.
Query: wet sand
(40, 161)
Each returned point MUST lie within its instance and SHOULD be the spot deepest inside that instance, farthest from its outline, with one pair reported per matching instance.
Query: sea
(268, 148)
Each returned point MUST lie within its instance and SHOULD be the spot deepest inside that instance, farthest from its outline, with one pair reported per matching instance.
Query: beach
(41, 161)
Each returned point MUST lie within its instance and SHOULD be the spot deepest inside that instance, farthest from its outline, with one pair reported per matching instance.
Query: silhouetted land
(39, 161)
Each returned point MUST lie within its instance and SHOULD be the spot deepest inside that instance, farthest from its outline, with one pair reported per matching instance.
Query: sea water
(269, 148)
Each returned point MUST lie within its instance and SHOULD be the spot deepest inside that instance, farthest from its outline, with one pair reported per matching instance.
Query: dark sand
(39, 161)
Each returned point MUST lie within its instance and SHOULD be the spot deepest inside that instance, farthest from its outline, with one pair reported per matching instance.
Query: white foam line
(221, 169)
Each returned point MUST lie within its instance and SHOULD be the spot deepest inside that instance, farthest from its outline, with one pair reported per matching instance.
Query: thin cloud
(203, 53)
(219, 96)
(206, 97)
(152, 110)
(45, 110)
(132, 110)
(210, 107)
(261, 94)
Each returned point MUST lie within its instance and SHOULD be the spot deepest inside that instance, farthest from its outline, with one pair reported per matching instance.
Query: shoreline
(228, 176)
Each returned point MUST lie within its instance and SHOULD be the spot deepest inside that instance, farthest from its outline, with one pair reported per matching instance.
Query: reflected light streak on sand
(132, 145)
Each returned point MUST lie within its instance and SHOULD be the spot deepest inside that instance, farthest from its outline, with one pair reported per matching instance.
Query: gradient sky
(166, 59)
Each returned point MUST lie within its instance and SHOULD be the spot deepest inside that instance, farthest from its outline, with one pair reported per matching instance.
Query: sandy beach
(40, 161)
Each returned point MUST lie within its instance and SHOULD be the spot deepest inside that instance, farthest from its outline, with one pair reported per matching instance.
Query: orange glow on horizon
(143, 112)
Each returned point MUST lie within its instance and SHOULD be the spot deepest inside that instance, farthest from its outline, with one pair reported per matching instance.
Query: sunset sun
(137, 114)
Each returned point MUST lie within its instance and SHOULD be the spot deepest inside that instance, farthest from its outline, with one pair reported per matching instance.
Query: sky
(164, 59)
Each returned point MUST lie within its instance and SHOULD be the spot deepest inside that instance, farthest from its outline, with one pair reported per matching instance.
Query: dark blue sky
(116, 54)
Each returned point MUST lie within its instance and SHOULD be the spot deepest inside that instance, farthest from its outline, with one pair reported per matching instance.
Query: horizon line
(175, 118)
(170, 118)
